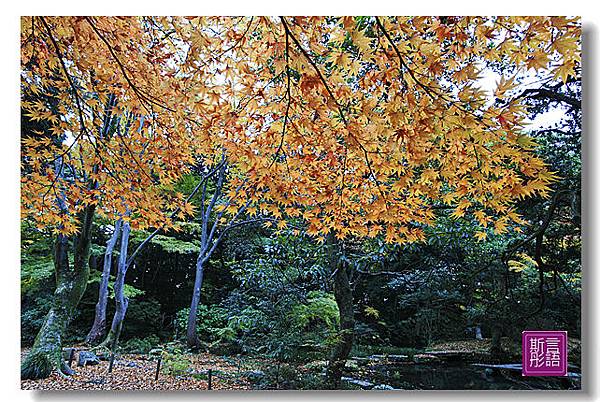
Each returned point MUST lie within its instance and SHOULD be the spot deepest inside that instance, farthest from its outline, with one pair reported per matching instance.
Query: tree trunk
(478, 334)
(496, 350)
(121, 302)
(99, 327)
(192, 337)
(46, 353)
(343, 297)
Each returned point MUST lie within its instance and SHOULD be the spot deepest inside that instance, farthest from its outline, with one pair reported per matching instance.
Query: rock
(66, 353)
(361, 383)
(459, 355)
(255, 375)
(383, 387)
(317, 364)
(361, 361)
(425, 358)
(86, 358)
(398, 358)
(377, 357)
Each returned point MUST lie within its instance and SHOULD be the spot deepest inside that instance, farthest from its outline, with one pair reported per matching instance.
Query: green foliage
(167, 244)
(37, 281)
(175, 362)
(172, 245)
(143, 318)
(294, 330)
(38, 365)
(37, 265)
(97, 250)
(250, 318)
(129, 291)
(34, 271)
(212, 325)
(141, 345)
(319, 306)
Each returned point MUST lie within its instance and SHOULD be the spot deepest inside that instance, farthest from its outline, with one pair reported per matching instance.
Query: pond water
(457, 376)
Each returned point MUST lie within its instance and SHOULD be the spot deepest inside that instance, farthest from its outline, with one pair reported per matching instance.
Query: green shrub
(320, 308)
(175, 364)
(141, 345)
(212, 327)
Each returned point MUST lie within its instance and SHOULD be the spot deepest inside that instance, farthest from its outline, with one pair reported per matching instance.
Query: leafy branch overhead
(358, 126)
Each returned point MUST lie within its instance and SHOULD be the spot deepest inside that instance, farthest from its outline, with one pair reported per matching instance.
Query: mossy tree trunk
(99, 326)
(46, 353)
(344, 299)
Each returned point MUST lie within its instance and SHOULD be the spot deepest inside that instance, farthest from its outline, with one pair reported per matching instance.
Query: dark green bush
(141, 345)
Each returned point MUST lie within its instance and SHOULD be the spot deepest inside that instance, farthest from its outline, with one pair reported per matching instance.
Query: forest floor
(189, 372)
(136, 372)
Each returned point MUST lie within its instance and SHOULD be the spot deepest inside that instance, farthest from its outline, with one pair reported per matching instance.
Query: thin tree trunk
(206, 249)
(343, 297)
(99, 327)
(478, 334)
(192, 337)
(46, 353)
(496, 350)
(121, 302)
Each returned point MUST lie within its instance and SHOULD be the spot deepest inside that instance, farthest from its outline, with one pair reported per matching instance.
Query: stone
(86, 357)
(255, 375)
(66, 353)
(361, 361)
(425, 358)
(399, 358)
(383, 387)
(317, 364)
(361, 383)
(377, 357)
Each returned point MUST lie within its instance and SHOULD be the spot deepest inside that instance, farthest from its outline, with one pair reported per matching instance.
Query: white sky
(489, 81)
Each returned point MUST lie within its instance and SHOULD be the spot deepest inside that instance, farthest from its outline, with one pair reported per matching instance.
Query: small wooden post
(157, 368)
(71, 355)
(209, 379)
(110, 364)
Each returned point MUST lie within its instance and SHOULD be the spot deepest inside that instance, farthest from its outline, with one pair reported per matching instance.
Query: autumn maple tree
(105, 150)
(355, 126)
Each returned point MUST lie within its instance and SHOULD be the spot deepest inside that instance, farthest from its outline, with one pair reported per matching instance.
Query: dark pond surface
(456, 376)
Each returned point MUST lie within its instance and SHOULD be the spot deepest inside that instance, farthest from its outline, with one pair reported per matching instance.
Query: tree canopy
(361, 125)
